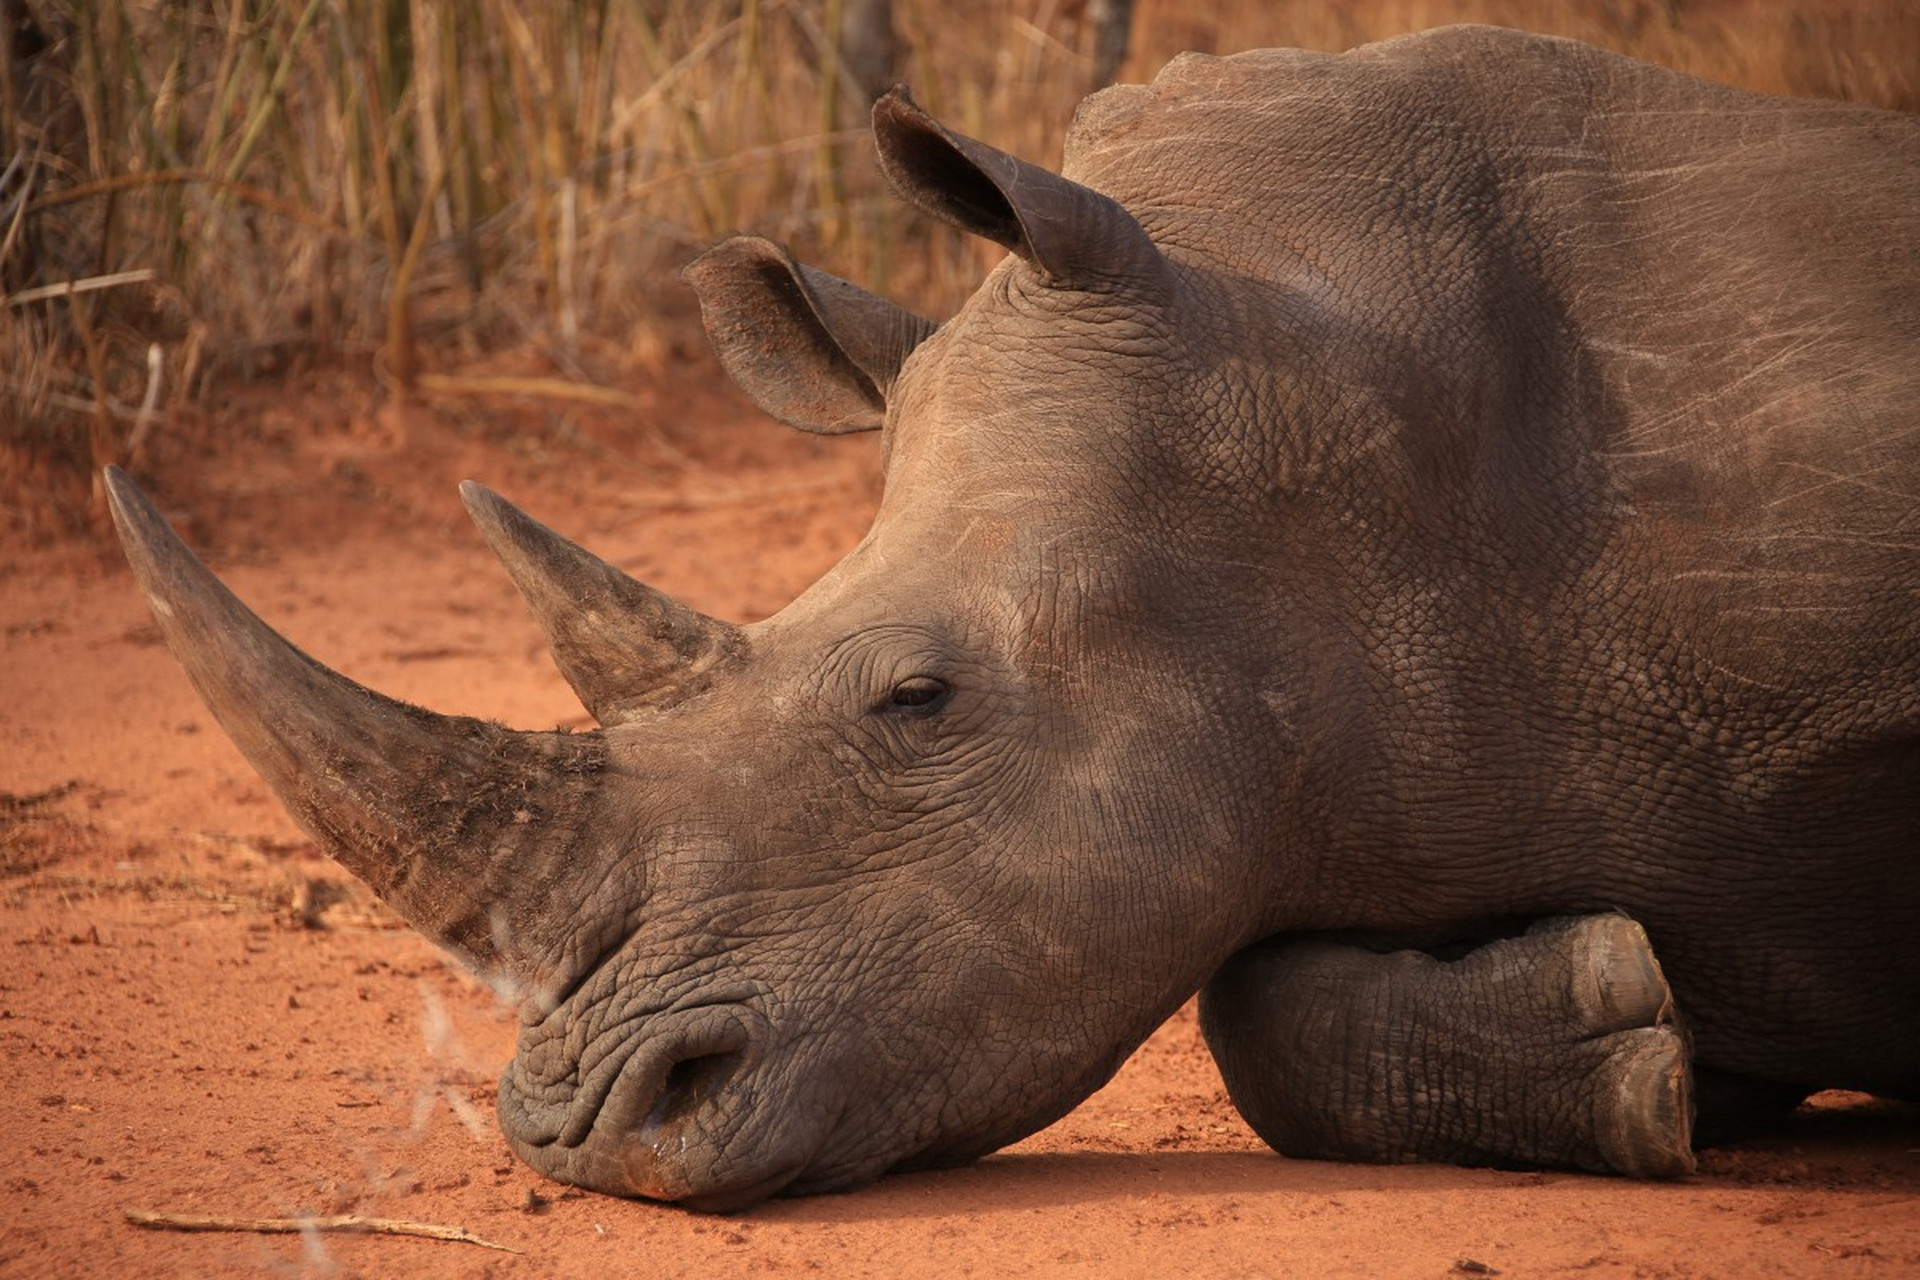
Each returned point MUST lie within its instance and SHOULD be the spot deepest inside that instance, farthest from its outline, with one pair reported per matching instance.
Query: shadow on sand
(1857, 1144)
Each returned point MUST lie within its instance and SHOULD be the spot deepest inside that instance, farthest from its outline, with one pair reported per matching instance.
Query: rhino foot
(1556, 1048)
(1643, 1106)
(1642, 1088)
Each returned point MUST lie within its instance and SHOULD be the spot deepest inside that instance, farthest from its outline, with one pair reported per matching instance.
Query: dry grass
(237, 186)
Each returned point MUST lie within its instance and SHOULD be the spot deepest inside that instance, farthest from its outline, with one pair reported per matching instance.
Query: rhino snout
(646, 1118)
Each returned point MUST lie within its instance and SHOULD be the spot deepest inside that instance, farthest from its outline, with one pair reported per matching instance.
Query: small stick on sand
(338, 1222)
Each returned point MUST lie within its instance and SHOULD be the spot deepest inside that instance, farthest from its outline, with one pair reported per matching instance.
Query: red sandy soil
(201, 1015)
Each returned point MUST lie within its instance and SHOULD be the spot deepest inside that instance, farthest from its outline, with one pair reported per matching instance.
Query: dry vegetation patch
(194, 195)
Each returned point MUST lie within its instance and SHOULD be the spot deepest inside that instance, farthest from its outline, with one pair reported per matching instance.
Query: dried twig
(547, 388)
(292, 1226)
(143, 420)
(67, 288)
(191, 177)
(19, 211)
(73, 404)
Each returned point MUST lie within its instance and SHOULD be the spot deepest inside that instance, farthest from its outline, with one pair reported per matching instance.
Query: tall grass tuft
(193, 191)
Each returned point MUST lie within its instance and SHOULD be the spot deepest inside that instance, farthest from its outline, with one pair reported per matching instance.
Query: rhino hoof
(1616, 981)
(1644, 1105)
(1620, 1004)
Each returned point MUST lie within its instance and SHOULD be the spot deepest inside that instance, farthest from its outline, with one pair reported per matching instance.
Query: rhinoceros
(1423, 544)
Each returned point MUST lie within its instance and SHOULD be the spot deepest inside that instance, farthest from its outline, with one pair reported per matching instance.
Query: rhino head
(904, 872)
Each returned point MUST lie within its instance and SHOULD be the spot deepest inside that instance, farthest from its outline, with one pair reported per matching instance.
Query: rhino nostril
(689, 1083)
(672, 1064)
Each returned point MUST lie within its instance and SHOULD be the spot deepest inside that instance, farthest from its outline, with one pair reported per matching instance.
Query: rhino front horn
(450, 820)
(622, 645)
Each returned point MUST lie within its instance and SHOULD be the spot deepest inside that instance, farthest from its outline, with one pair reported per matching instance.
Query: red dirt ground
(201, 1015)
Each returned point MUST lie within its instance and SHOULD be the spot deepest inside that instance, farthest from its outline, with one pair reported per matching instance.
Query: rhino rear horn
(1074, 236)
(811, 349)
(621, 644)
(455, 823)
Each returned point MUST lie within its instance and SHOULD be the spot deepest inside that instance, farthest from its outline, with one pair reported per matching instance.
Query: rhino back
(1648, 342)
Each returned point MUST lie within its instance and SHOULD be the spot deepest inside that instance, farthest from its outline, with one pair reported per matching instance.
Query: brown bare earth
(200, 1015)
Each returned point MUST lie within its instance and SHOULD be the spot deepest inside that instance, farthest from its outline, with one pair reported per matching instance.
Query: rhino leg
(1556, 1048)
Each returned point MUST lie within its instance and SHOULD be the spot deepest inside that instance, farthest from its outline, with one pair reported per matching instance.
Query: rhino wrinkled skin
(1383, 500)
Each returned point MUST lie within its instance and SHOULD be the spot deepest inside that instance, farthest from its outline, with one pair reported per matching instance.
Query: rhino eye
(919, 693)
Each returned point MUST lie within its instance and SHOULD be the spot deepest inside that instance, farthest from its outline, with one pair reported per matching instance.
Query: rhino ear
(1074, 236)
(811, 349)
